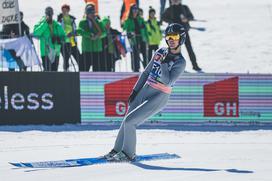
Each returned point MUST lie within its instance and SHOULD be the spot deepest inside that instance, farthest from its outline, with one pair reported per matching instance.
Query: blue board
(89, 161)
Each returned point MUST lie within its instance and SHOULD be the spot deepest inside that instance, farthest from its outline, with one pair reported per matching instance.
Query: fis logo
(221, 99)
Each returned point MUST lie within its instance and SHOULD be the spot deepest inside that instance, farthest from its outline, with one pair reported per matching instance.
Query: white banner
(9, 11)
(23, 48)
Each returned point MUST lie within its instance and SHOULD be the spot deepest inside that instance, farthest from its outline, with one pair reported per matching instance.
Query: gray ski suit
(153, 90)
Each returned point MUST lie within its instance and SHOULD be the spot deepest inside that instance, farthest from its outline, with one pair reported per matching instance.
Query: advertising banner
(196, 98)
(39, 98)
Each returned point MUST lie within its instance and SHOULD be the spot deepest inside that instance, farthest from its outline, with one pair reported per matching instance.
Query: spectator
(143, 38)
(126, 8)
(12, 31)
(70, 46)
(134, 26)
(110, 52)
(178, 13)
(92, 32)
(51, 35)
(154, 33)
(163, 3)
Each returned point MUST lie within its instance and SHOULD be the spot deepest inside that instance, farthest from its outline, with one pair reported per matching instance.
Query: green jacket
(42, 31)
(129, 27)
(154, 32)
(89, 45)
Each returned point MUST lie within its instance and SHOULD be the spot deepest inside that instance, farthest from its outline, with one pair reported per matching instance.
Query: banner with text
(9, 11)
(39, 98)
(196, 98)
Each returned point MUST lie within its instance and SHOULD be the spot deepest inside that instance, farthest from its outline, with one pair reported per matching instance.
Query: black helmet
(151, 10)
(49, 11)
(176, 28)
(90, 9)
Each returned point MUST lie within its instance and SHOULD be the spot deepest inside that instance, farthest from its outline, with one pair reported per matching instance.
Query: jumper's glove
(56, 39)
(162, 55)
(132, 96)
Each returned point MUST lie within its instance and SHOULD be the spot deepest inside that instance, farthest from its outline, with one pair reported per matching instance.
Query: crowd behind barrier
(91, 45)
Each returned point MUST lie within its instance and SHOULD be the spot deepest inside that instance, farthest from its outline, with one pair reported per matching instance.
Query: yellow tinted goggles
(172, 36)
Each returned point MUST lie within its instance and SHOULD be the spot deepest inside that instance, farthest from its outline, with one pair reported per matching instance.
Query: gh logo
(229, 109)
(221, 98)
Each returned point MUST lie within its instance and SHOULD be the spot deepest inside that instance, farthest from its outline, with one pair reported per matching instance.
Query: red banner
(116, 96)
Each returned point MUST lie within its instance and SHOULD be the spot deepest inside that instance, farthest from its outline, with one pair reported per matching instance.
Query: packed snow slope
(224, 155)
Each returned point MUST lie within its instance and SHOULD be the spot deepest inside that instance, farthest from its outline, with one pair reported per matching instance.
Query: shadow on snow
(152, 167)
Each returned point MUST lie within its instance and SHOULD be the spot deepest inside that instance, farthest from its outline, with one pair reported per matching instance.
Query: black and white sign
(9, 11)
(39, 98)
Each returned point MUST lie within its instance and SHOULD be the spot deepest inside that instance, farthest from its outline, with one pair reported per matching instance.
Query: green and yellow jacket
(154, 32)
(89, 45)
(129, 27)
(45, 33)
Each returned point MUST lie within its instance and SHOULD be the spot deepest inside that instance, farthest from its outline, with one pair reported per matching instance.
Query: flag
(23, 49)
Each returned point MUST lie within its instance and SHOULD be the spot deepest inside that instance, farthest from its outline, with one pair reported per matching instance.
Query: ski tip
(16, 164)
(175, 156)
(171, 156)
(21, 165)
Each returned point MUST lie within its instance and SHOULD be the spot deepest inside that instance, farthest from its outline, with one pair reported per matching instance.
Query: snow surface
(224, 155)
(237, 40)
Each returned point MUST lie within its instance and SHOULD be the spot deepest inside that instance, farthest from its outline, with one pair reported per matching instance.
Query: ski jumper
(154, 88)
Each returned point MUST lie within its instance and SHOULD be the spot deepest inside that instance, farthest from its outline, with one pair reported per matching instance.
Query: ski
(89, 161)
